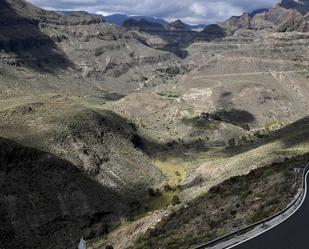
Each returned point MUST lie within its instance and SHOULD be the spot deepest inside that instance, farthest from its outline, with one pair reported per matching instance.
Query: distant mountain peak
(178, 24)
(142, 23)
(119, 19)
(302, 6)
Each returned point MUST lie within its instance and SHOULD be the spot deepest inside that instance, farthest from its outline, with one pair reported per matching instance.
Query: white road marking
(299, 206)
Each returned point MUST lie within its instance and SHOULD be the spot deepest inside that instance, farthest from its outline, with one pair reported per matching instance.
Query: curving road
(292, 233)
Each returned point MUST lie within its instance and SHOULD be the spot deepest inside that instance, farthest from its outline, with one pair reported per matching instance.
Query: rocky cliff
(287, 16)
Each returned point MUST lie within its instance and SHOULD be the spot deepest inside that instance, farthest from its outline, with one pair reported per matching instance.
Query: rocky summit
(126, 134)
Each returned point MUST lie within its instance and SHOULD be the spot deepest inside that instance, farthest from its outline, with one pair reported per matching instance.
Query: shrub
(246, 193)
(175, 200)
(232, 142)
(167, 188)
(256, 216)
(233, 212)
(269, 172)
(154, 193)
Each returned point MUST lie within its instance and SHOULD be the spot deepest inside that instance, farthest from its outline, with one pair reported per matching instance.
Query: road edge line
(298, 207)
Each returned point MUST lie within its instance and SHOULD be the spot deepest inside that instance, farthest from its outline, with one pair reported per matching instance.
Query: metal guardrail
(252, 226)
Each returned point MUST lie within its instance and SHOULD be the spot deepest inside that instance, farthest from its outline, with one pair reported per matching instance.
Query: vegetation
(223, 210)
(175, 201)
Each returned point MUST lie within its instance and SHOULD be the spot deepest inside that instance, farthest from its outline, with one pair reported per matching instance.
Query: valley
(151, 133)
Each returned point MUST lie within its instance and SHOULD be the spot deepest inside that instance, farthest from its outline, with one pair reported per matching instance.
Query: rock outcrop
(287, 16)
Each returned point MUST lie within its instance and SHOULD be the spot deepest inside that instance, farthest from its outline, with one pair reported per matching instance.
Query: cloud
(192, 11)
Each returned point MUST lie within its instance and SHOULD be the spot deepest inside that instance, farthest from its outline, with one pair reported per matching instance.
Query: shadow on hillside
(230, 114)
(212, 32)
(236, 117)
(22, 38)
(294, 134)
(47, 202)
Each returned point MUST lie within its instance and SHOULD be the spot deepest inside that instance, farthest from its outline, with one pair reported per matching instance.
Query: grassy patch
(159, 202)
(174, 170)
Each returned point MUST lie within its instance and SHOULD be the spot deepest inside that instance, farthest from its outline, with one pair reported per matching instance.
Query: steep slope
(89, 178)
(94, 101)
(45, 42)
(302, 6)
(47, 202)
(231, 205)
(250, 79)
(287, 16)
(84, 171)
(281, 19)
(22, 41)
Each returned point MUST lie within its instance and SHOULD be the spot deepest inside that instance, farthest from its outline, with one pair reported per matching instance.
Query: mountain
(81, 168)
(301, 6)
(142, 25)
(104, 133)
(258, 11)
(288, 15)
(173, 36)
(178, 24)
(119, 19)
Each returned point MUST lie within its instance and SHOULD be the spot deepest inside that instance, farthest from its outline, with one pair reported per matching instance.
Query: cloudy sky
(190, 11)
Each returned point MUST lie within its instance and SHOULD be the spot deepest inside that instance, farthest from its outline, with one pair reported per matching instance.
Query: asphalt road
(293, 233)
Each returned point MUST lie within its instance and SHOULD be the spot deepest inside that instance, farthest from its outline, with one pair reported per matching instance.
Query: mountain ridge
(86, 107)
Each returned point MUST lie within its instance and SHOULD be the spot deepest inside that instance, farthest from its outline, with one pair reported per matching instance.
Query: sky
(190, 11)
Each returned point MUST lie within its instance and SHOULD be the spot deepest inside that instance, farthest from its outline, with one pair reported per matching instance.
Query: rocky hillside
(98, 124)
(288, 15)
(79, 47)
(82, 174)
(78, 166)
(47, 202)
(172, 36)
(301, 6)
(231, 205)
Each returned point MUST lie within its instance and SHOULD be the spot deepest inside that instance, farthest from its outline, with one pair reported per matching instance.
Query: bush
(246, 193)
(233, 212)
(175, 200)
(256, 216)
(167, 188)
(232, 142)
(269, 172)
(154, 193)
